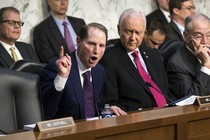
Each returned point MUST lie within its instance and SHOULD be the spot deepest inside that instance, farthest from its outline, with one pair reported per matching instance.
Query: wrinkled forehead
(137, 23)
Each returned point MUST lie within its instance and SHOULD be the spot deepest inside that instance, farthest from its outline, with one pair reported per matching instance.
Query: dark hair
(83, 34)
(5, 9)
(175, 4)
(155, 24)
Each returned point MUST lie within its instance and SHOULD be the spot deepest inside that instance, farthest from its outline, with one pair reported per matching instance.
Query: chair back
(20, 100)
(168, 49)
(28, 66)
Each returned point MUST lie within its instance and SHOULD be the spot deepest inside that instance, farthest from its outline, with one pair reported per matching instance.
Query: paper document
(29, 127)
(188, 100)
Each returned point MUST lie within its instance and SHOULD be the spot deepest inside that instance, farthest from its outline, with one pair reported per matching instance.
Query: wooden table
(174, 123)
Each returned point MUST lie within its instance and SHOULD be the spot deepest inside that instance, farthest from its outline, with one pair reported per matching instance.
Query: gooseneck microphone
(172, 103)
(97, 110)
(3, 132)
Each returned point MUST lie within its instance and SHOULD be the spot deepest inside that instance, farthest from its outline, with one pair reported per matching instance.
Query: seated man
(155, 33)
(189, 68)
(10, 29)
(135, 75)
(72, 86)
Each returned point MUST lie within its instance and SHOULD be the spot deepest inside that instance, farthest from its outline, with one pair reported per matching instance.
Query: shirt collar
(7, 46)
(181, 28)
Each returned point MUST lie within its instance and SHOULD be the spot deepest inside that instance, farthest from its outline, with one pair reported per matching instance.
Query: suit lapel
(77, 87)
(193, 63)
(176, 29)
(5, 57)
(128, 64)
(53, 28)
(152, 70)
(74, 25)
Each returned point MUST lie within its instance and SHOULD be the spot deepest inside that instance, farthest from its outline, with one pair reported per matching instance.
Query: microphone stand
(172, 103)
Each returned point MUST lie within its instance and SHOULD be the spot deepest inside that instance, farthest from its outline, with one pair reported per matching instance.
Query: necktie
(68, 37)
(88, 96)
(159, 98)
(14, 55)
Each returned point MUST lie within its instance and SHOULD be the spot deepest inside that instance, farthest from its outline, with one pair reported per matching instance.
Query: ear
(118, 29)
(145, 32)
(78, 42)
(186, 35)
(176, 11)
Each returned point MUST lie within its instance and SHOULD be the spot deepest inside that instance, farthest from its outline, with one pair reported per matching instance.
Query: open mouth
(93, 58)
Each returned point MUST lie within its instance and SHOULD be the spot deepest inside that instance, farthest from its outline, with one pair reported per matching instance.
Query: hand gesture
(63, 64)
(203, 53)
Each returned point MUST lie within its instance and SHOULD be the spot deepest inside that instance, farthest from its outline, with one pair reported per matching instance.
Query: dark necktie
(68, 37)
(88, 96)
(159, 98)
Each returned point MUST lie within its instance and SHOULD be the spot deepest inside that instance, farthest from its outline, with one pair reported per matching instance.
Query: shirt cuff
(59, 83)
(205, 70)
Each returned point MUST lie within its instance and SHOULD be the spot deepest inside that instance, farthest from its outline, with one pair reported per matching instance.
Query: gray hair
(195, 17)
(133, 13)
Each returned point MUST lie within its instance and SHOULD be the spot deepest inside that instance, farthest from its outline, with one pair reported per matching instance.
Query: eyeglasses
(189, 8)
(13, 22)
(200, 37)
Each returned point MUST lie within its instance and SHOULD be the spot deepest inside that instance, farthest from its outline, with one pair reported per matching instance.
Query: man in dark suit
(162, 12)
(49, 34)
(125, 89)
(10, 30)
(179, 10)
(63, 84)
(188, 69)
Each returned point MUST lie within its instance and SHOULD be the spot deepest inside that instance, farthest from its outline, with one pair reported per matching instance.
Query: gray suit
(184, 75)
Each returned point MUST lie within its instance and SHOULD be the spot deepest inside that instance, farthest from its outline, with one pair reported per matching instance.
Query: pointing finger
(61, 52)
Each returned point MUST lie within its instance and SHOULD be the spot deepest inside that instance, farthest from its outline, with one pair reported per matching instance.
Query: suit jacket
(124, 86)
(173, 32)
(157, 14)
(69, 101)
(184, 75)
(48, 38)
(26, 51)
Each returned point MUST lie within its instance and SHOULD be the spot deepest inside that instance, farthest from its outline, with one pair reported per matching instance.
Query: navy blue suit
(69, 101)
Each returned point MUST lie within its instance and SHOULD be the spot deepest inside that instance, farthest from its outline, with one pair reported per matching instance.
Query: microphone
(172, 103)
(97, 110)
(3, 132)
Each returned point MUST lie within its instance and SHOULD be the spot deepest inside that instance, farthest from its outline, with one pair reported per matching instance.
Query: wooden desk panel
(175, 123)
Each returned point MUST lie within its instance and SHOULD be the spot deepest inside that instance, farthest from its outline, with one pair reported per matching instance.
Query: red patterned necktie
(68, 37)
(88, 96)
(159, 98)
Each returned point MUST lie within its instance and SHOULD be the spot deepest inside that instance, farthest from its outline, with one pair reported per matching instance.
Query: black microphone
(97, 110)
(172, 103)
(3, 132)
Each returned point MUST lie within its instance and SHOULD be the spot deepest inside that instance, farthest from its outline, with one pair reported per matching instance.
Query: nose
(133, 36)
(204, 40)
(95, 49)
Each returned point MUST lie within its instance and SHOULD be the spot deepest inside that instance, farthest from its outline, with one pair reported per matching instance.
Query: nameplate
(202, 101)
(54, 124)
